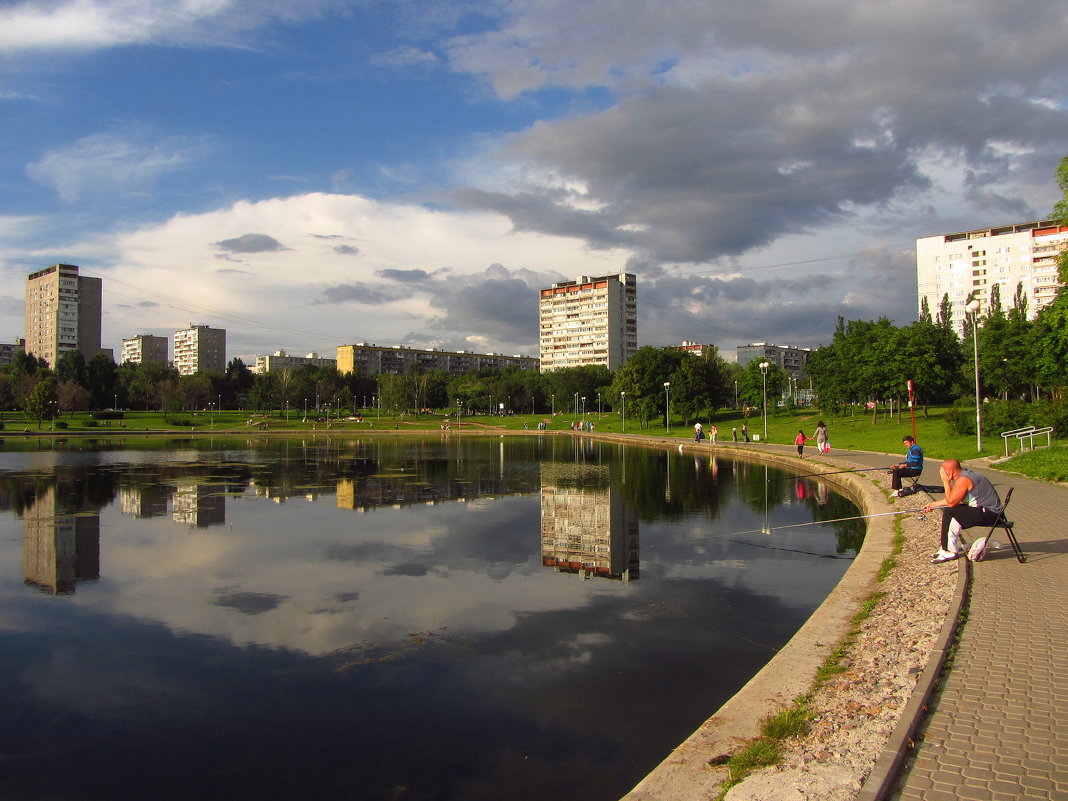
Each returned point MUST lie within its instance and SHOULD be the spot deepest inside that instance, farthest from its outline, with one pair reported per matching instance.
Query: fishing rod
(829, 473)
(769, 529)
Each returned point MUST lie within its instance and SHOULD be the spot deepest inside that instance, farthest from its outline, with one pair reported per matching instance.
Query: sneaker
(895, 494)
(945, 556)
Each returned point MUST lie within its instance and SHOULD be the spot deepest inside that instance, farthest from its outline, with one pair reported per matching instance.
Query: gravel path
(858, 709)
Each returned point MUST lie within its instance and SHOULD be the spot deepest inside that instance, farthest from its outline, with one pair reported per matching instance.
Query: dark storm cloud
(736, 125)
(358, 293)
(250, 603)
(503, 302)
(251, 243)
(346, 250)
(404, 276)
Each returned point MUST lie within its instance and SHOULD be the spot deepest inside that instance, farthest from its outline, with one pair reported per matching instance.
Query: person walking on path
(745, 431)
(971, 500)
(822, 445)
(713, 432)
(912, 466)
(799, 441)
(698, 432)
(734, 434)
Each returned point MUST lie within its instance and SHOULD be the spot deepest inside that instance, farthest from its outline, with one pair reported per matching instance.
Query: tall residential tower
(588, 321)
(62, 313)
(970, 263)
(199, 348)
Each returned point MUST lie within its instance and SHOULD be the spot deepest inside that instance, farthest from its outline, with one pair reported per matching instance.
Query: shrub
(61, 423)
(1052, 413)
(91, 424)
(960, 417)
(109, 414)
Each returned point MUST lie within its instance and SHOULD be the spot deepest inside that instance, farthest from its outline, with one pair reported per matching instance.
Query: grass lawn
(849, 432)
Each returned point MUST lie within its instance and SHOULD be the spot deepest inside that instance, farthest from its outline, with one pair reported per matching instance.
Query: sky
(314, 173)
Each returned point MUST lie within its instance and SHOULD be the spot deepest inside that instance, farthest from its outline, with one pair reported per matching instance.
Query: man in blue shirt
(912, 466)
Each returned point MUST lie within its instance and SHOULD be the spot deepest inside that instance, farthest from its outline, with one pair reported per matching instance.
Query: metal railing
(1029, 433)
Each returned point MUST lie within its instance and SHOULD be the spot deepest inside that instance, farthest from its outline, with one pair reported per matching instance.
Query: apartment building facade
(790, 358)
(588, 321)
(368, 359)
(199, 348)
(143, 349)
(63, 312)
(280, 360)
(968, 264)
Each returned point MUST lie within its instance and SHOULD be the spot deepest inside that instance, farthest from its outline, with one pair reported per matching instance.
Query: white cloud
(314, 295)
(96, 24)
(121, 162)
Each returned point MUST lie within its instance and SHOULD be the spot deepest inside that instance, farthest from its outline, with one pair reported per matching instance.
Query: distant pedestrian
(713, 432)
(799, 441)
(698, 432)
(745, 431)
(822, 445)
(734, 434)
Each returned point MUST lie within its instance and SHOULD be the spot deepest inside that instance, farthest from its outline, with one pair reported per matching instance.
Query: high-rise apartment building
(199, 348)
(62, 313)
(971, 263)
(144, 348)
(592, 320)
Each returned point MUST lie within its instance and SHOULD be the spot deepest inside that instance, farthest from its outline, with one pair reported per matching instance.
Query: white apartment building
(970, 263)
(281, 360)
(588, 321)
(199, 348)
(144, 348)
(62, 313)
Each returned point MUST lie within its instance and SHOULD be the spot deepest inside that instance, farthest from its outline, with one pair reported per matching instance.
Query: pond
(388, 617)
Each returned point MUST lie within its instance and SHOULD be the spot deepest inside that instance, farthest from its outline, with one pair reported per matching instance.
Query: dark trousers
(967, 516)
(896, 474)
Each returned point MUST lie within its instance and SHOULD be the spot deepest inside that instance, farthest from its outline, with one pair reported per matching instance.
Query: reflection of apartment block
(970, 263)
(148, 501)
(199, 348)
(365, 359)
(62, 313)
(199, 505)
(144, 348)
(58, 550)
(588, 321)
(280, 360)
(587, 530)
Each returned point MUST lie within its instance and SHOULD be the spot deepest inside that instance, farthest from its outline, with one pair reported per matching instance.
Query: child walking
(799, 441)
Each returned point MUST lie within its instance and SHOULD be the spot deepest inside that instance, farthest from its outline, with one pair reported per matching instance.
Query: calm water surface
(386, 618)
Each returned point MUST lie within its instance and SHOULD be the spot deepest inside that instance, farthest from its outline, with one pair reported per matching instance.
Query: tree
(41, 401)
(71, 367)
(642, 379)
(72, 396)
(103, 377)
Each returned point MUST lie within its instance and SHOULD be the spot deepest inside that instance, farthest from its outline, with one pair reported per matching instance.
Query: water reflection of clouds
(309, 582)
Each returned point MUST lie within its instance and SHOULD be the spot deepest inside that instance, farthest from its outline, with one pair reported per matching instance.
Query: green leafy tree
(40, 403)
(71, 367)
(643, 377)
(103, 378)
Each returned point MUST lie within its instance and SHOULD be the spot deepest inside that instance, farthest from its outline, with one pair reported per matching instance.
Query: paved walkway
(998, 727)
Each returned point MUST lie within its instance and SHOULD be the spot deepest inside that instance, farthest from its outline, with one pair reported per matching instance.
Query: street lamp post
(459, 404)
(735, 394)
(623, 405)
(552, 405)
(583, 408)
(576, 404)
(973, 307)
(764, 377)
(667, 407)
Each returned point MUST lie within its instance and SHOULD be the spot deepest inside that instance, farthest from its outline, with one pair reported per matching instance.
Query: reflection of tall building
(145, 501)
(199, 505)
(58, 550)
(586, 530)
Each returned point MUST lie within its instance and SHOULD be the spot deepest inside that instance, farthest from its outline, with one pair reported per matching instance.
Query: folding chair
(1005, 523)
